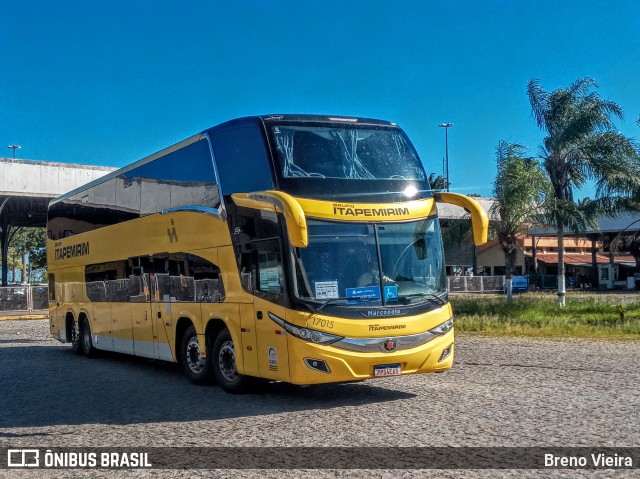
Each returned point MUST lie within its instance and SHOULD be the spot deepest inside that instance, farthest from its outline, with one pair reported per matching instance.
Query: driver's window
(259, 253)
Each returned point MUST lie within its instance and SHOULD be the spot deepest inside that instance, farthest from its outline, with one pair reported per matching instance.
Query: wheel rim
(195, 362)
(227, 361)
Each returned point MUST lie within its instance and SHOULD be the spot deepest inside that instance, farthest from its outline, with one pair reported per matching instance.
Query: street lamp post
(14, 148)
(446, 127)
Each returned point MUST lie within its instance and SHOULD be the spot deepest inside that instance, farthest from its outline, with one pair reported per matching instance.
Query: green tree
(520, 190)
(582, 144)
(27, 248)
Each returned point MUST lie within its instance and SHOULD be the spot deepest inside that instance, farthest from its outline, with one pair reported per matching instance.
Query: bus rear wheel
(87, 343)
(194, 366)
(74, 336)
(224, 365)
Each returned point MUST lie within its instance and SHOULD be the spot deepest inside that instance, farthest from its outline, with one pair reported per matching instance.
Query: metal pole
(446, 152)
(446, 127)
(29, 298)
(14, 148)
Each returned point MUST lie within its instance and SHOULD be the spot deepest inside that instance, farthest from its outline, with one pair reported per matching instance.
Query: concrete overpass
(27, 186)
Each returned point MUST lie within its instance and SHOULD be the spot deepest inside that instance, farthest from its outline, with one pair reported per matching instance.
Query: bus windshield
(345, 152)
(350, 264)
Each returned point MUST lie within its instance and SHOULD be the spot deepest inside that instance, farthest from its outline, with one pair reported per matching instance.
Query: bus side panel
(229, 314)
(142, 328)
(248, 335)
(273, 353)
(121, 328)
(56, 323)
(101, 326)
(166, 315)
(71, 297)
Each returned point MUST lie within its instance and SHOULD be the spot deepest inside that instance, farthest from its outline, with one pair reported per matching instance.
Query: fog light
(445, 354)
(317, 365)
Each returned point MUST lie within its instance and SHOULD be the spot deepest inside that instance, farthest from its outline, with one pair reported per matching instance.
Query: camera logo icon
(23, 458)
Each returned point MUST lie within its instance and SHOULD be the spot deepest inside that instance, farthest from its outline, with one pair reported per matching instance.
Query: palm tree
(520, 190)
(581, 144)
(438, 183)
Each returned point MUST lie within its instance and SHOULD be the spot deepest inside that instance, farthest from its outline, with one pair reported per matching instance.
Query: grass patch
(535, 314)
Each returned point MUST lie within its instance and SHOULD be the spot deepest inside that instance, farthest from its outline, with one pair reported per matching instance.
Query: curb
(18, 317)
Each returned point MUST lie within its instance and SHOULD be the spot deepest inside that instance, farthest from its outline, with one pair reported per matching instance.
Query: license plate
(386, 370)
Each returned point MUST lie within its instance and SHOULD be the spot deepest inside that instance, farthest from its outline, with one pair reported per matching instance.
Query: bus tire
(196, 368)
(87, 342)
(224, 365)
(76, 338)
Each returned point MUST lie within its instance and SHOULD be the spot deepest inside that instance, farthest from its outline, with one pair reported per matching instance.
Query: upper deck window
(242, 160)
(345, 152)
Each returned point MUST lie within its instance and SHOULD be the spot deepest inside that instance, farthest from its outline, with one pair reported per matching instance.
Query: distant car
(519, 284)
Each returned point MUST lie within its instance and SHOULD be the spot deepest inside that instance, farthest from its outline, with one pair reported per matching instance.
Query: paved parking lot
(501, 392)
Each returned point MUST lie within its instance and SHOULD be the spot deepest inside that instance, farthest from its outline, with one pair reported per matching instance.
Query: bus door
(161, 318)
(141, 313)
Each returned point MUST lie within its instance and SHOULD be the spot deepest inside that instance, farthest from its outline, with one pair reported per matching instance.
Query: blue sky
(107, 83)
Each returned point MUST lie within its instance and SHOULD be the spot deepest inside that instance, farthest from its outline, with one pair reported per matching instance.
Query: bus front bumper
(314, 363)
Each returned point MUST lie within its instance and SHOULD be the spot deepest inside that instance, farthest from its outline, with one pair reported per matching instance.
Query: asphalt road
(507, 392)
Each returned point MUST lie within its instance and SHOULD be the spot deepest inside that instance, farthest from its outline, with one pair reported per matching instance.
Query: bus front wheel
(224, 364)
(196, 367)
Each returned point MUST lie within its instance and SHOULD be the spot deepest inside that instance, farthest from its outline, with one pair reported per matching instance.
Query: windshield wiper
(318, 306)
(333, 300)
(309, 303)
(434, 297)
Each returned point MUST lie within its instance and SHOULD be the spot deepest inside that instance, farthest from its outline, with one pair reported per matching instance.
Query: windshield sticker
(326, 289)
(366, 292)
(391, 292)
(270, 279)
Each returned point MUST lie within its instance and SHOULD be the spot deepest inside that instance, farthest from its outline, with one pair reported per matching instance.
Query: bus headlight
(444, 328)
(306, 334)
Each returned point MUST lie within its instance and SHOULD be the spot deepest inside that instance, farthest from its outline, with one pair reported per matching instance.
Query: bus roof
(248, 120)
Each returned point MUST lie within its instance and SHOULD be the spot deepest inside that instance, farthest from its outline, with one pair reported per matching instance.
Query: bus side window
(247, 268)
(139, 279)
(246, 260)
(238, 151)
(207, 280)
(192, 177)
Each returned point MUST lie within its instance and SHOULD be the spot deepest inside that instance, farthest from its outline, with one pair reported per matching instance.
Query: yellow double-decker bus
(296, 248)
